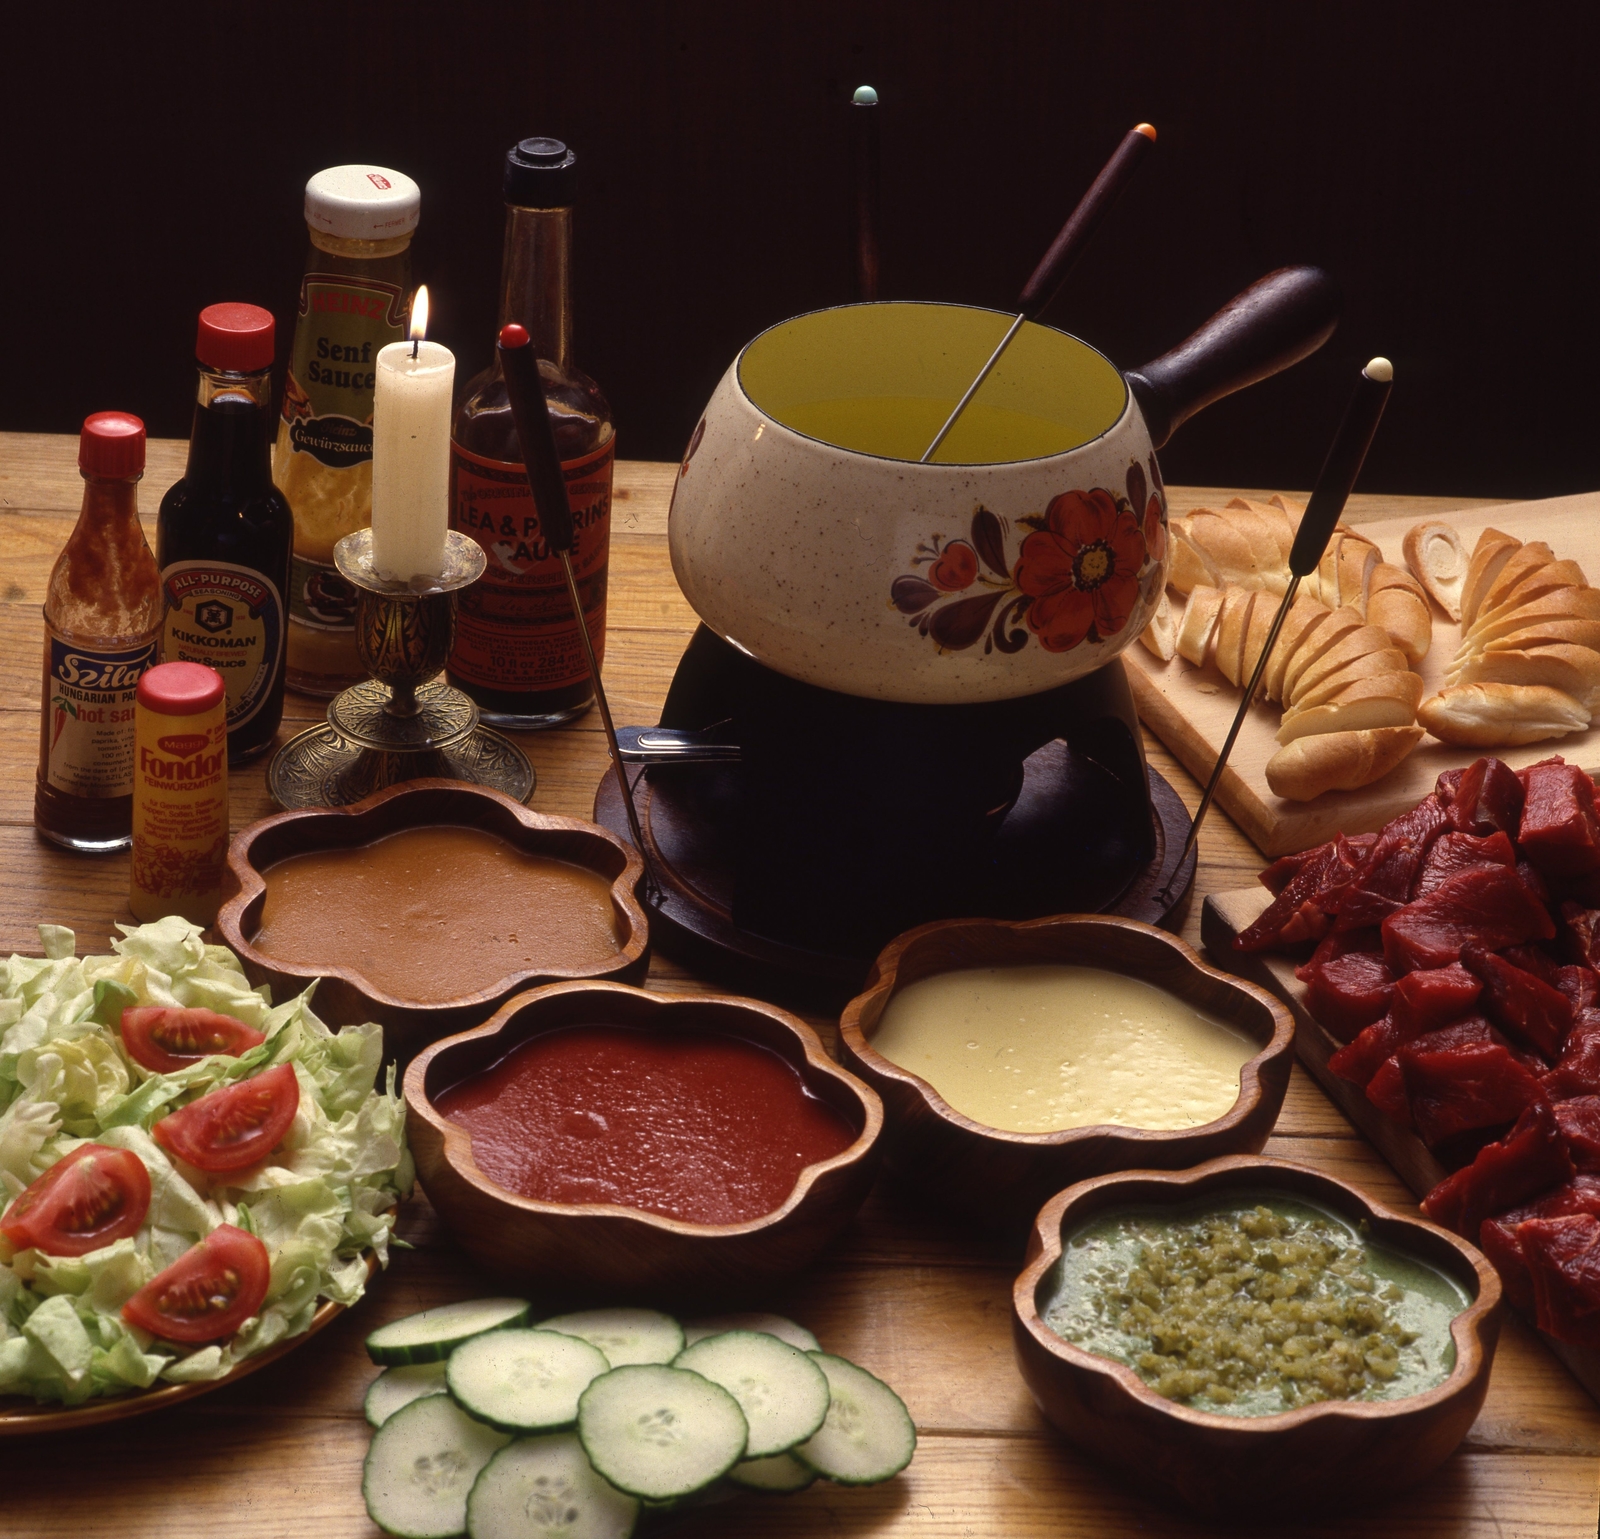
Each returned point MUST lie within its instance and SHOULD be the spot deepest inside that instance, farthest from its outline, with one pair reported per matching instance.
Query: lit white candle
(411, 453)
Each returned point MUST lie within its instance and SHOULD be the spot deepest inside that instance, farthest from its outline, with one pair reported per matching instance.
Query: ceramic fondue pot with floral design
(1030, 550)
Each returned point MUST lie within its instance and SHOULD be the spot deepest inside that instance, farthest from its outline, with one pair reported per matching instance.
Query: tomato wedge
(166, 1038)
(234, 1125)
(95, 1195)
(208, 1292)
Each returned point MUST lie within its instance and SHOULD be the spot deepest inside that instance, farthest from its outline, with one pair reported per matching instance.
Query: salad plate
(20, 1417)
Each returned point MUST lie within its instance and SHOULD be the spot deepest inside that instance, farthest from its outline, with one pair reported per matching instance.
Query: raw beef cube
(1580, 984)
(1529, 1160)
(1534, 881)
(1300, 913)
(1518, 1002)
(1464, 1088)
(1579, 1121)
(1560, 831)
(1348, 983)
(1387, 1088)
(1486, 799)
(1278, 875)
(1491, 906)
(1532, 959)
(1454, 853)
(1497, 1237)
(1580, 928)
(1358, 1060)
(1563, 1257)
(1578, 1071)
(1387, 876)
(1433, 997)
(1387, 1091)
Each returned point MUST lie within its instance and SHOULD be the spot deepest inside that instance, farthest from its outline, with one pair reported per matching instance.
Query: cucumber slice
(395, 1387)
(523, 1380)
(768, 1325)
(782, 1392)
(545, 1488)
(626, 1336)
(868, 1435)
(422, 1464)
(782, 1472)
(660, 1432)
(436, 1333)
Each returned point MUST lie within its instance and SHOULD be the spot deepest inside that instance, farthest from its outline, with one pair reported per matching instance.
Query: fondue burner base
(687, 815)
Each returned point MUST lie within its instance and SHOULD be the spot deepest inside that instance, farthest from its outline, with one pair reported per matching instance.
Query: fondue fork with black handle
(531, 413)
(1046, 279)
(1333, 488)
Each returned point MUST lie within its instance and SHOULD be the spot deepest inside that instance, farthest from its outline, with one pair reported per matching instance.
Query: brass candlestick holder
(404, 723)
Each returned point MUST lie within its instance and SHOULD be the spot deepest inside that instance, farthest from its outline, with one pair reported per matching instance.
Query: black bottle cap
(541, 173)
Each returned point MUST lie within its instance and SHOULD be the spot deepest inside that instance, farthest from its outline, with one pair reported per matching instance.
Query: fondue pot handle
(1275, 322)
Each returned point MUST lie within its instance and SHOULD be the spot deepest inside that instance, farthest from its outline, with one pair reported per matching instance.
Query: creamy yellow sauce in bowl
(1046, 1047)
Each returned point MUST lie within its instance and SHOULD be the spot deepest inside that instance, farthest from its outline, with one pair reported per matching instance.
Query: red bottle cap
(238, 338)
(180, 689)
(111, 444)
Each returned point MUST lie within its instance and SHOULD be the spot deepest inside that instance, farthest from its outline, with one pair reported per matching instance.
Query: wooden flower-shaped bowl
(1000, 1178)
(346, 995)
(599, 1251)
(1261, 1469)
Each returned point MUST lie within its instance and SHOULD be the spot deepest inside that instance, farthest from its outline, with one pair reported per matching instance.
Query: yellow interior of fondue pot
(881, 379)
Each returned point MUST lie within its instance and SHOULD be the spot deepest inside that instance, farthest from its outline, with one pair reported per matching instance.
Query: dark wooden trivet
(1053, 855)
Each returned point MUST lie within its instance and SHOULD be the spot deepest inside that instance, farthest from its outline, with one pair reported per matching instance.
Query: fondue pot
(1029, 552)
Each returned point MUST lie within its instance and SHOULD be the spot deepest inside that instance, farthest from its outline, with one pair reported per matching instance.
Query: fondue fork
(1064, 250)
(1333, 488)
(531, 413)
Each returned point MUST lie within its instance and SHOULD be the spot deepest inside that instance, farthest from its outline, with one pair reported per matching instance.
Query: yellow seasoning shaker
(180, 793)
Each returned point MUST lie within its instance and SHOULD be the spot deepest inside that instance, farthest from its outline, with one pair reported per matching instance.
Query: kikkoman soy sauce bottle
(102, 626)
(517, 649)
(355, 299)
(224, 536)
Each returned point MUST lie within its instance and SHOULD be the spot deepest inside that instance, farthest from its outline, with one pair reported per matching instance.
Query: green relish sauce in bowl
(1252, 1303)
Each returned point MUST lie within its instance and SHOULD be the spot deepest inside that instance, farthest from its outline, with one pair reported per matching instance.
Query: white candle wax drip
(411, 459)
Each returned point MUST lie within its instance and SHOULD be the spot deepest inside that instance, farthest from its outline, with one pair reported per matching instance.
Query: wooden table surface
(918, 1302)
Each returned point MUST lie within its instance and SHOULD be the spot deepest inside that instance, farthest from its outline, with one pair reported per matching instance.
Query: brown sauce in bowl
(431, 914)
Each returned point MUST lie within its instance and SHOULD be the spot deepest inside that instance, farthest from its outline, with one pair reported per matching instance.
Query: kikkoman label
(514, 628)
(229, 618)
(89, 720)
(327, 397)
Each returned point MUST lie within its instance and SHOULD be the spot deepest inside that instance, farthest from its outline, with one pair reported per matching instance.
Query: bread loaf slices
(1438, 560)
(1501, 715)
(1161, 634)
(1491, 553)
(1338, 761)
(1386, 700)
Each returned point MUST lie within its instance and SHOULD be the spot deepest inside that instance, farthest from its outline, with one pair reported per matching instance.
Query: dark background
(1440, 160)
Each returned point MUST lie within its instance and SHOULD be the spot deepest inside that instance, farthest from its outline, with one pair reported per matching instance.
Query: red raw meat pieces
(1579, 1121)
(1582, 933)
(1388, 1090)
(1497, 1237)
(1517, 1001)
(1527, 1161)
(1491, 906)
(1578, 1072)
(1348, 983)
(1301, 911)
(1563, 1259)
(1385, 879)
(1454, 853)
(1422, 1002)
(1486, 797)
(1464, 1087)
(1560, 831)
(1278, 875)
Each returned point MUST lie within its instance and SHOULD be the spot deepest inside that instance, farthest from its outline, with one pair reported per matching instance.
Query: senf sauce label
(89, 716)
(230, 618)
(514, 628)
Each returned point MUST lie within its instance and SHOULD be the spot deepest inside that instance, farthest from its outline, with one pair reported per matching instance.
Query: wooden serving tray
(1227, 913)
(1190, 709)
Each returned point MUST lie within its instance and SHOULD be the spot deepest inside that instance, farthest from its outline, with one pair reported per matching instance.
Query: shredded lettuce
(325, 1199)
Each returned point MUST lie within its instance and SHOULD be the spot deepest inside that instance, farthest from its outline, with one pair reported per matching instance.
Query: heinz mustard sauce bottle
(180, 793)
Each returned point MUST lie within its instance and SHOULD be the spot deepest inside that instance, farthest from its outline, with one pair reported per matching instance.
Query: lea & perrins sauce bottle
(517, 650)
(102, 619)
(180, 794)
(226, 533)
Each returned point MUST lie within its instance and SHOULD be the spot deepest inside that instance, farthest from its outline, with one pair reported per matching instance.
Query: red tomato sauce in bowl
(696, 1126)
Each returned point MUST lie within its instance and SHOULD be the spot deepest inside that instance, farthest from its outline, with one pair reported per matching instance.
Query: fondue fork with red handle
(531, 413)
(1046, 280)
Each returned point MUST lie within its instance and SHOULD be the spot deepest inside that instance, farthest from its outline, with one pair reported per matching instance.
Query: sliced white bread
(1338, 625)
(1364, 641)
(1438, 560)
(1390, 700)
(1491, 553)
(1161, 634)
(1232, 628)
(1573, 670)
(1305, 615)
(1369, 665)
(1501, 715)
(1199, 625)
(1338, 761)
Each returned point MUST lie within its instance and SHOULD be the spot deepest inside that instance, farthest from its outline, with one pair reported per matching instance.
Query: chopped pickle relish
(1252, 1304)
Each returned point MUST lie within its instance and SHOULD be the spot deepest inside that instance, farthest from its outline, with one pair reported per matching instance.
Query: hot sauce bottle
(355, 299)
(102, 620)
(517, 649)
(224, 535)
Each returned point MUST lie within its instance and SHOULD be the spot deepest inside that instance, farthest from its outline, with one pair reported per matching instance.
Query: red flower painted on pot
(1081, 570)
(956, 568)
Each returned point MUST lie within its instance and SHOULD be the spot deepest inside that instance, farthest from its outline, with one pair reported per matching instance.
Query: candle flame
(419, 315)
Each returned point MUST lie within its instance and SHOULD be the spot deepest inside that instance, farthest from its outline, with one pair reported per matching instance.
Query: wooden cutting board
(1224, 916)
(1190, 709)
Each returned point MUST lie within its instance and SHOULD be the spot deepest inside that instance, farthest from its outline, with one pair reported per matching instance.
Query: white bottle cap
(363, 203)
